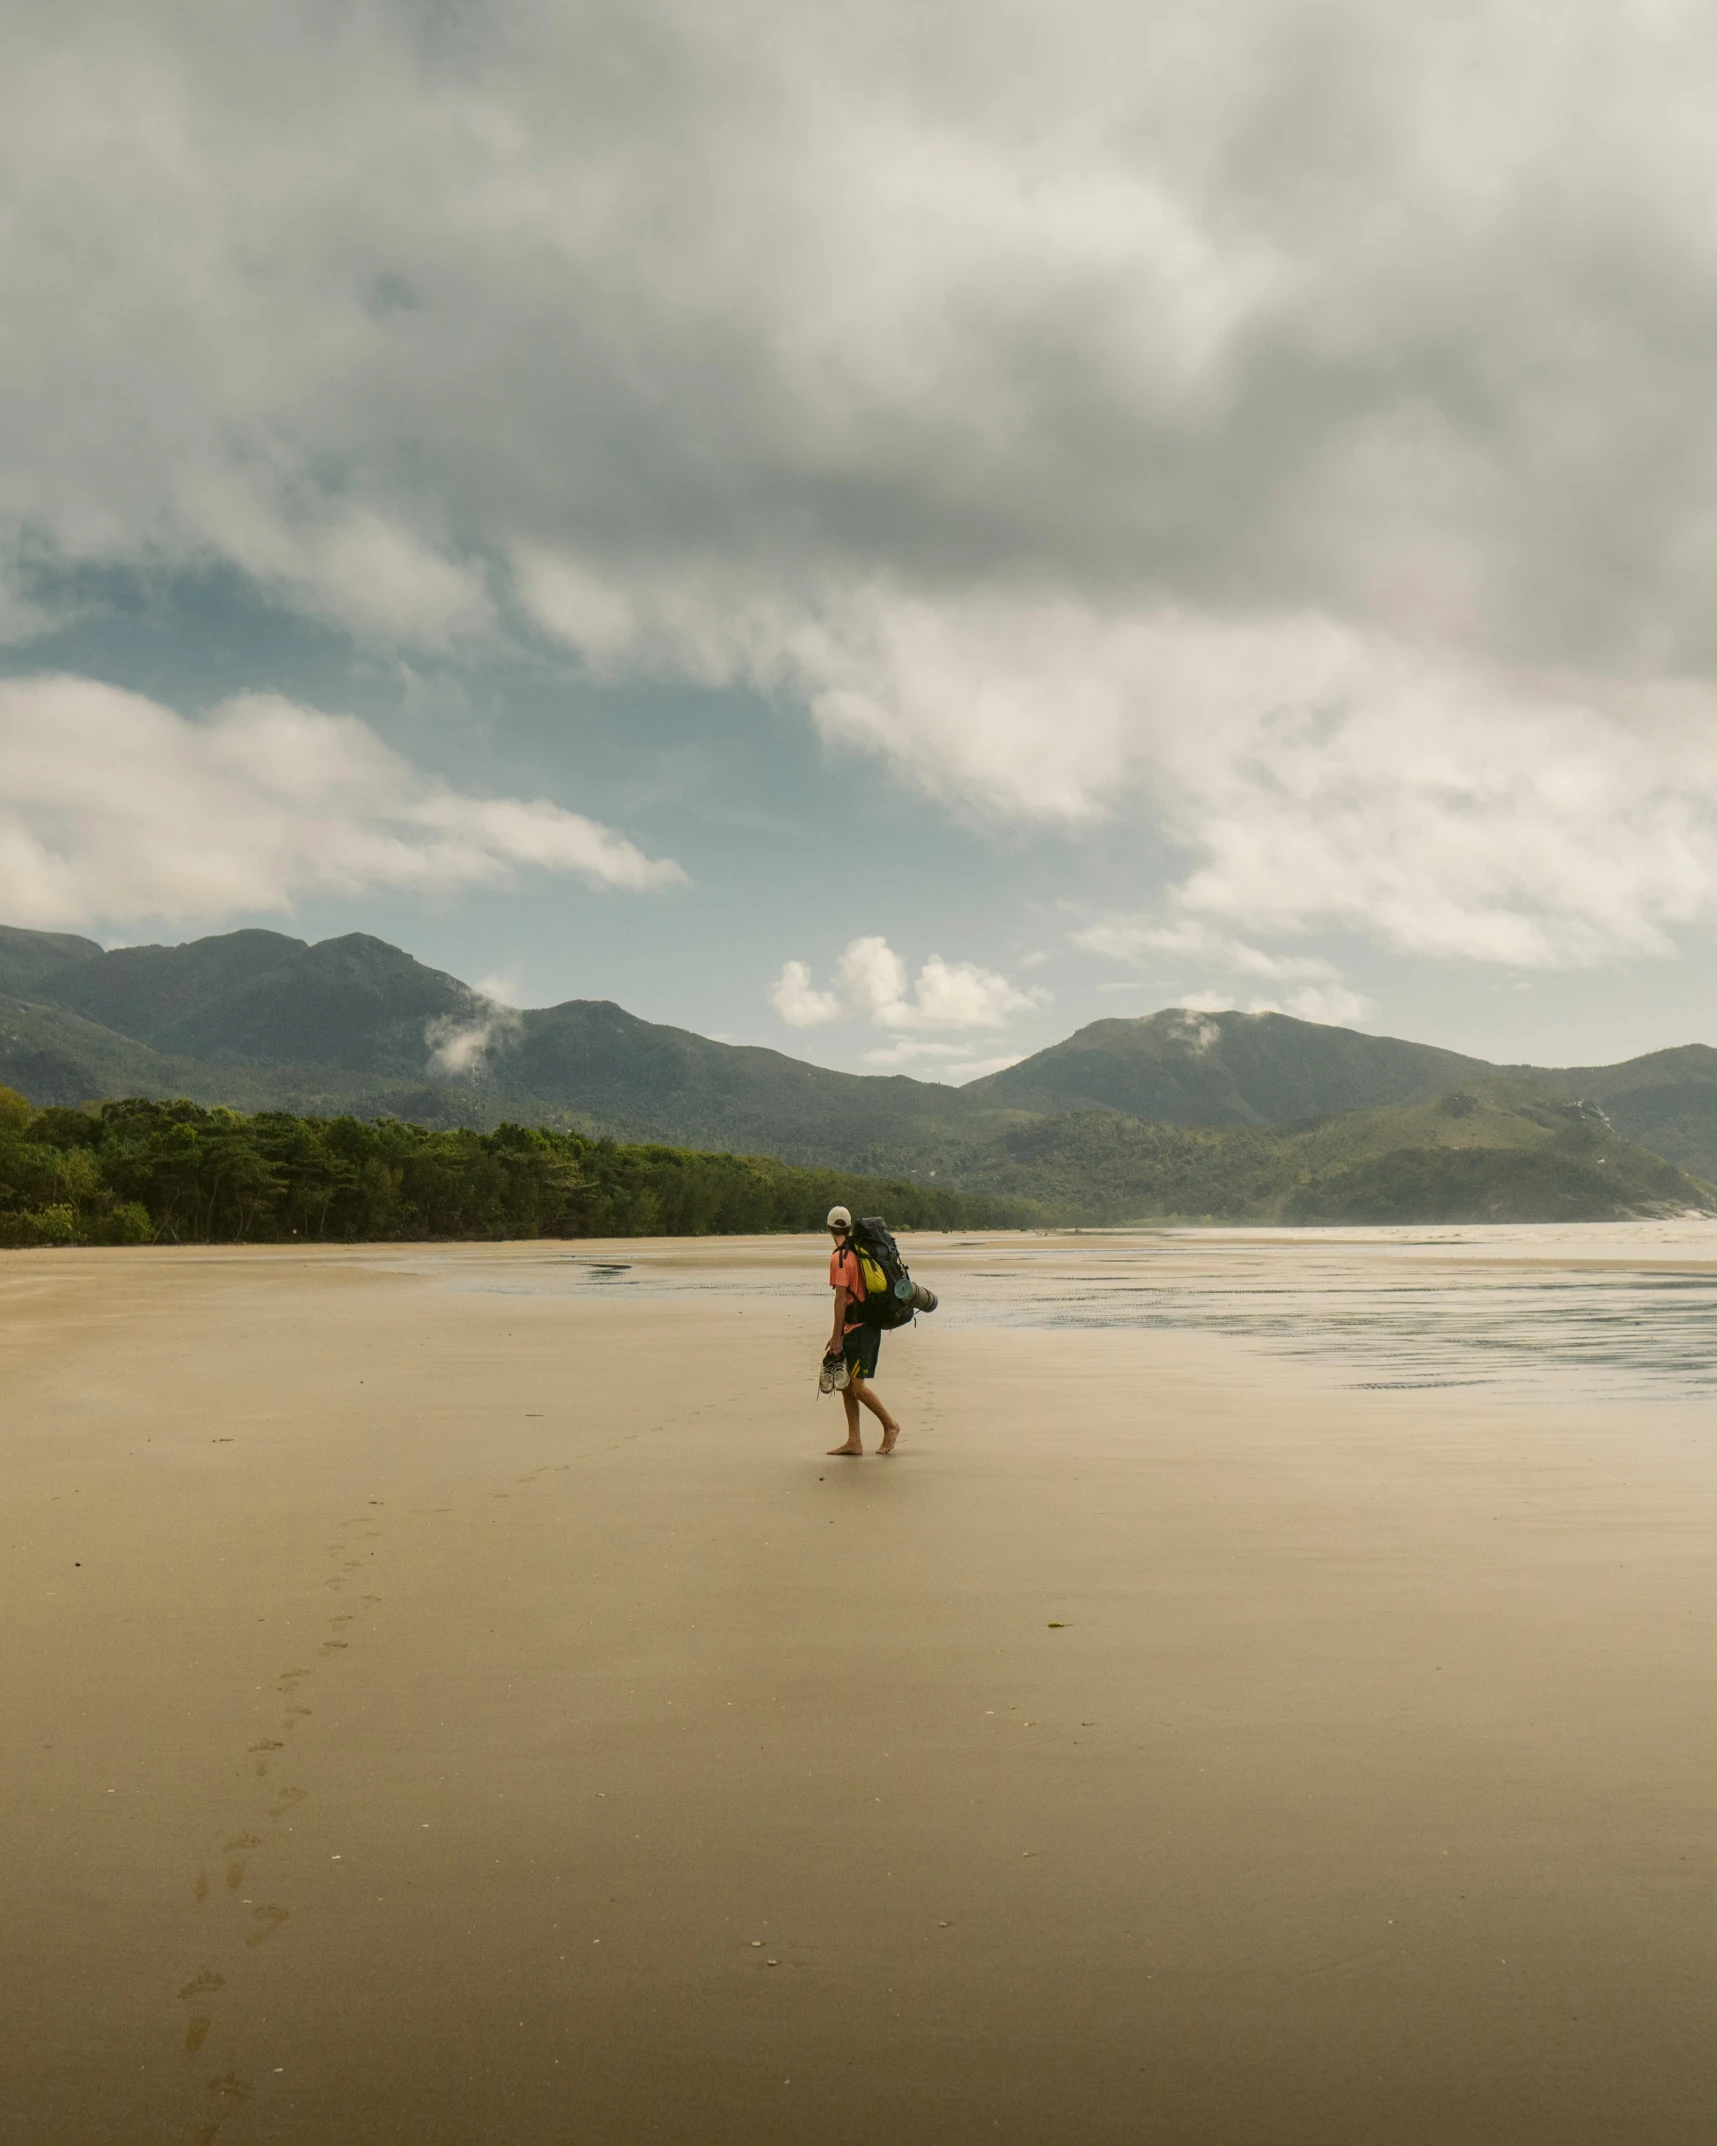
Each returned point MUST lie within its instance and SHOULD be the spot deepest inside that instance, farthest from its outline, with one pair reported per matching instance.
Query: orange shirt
(845, 1273)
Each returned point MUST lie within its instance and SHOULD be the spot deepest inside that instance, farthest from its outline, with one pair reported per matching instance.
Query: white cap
(840, 1218)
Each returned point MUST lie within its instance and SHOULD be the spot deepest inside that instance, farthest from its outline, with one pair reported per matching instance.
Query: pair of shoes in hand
(835, 1375)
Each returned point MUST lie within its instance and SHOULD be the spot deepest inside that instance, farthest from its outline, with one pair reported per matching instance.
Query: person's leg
(878, 1407)
(855, 1444)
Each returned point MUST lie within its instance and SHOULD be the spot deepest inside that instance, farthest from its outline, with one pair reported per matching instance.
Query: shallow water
(1623, 1310)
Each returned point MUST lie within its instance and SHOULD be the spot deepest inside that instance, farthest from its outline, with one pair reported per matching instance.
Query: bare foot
(888, 1438)
(852, 1452)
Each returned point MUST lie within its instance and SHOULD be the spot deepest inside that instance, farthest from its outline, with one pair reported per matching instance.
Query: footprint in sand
(332, 1646)
(245, 1840)
(235, 1876)
(288, 1797)
(196, 2033)
(371, 1599)
(337, 1624)
(201, 1985)
(271, 1917)
(290, 1679)
(230, 2087)
(297, 1713)
(268, 1744)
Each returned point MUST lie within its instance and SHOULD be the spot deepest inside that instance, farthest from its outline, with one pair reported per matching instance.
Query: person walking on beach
(856, 1344)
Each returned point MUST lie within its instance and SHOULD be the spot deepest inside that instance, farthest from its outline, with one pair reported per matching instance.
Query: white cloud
(1320, 778)
(493, 1024)
(958, 994)
(913, 1050)
(1330, 1003)
(1333, 1003)
(113, 806)
(1322, 996)
(798, 1004)
(593, 616)
(535, 832)
(1296, 437)
(975, 1068)
(1132, 938)
(463, 1047)
(872, 984)
(950, 1061)
(1197, 1033)
(359, 568)
(871, 980)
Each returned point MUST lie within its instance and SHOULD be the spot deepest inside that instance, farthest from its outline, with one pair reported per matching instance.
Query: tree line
(140, 1171)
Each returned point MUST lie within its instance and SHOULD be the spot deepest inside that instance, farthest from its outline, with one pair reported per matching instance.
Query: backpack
(889, 1296)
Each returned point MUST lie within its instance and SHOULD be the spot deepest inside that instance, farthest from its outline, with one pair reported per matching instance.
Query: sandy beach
(452, 1701)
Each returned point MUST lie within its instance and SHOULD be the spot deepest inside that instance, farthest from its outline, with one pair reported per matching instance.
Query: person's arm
(841, 1300)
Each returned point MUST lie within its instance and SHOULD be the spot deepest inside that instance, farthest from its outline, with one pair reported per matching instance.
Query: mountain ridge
(352, 1025)
(1178, 1067)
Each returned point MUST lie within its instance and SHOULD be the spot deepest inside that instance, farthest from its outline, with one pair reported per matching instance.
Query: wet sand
(471, 1713)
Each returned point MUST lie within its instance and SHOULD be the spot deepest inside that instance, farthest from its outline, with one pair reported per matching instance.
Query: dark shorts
(860, 1346)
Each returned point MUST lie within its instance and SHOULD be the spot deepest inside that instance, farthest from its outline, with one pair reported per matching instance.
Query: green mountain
(1179, 1068)
(1230, 1114)
(259, 1020)
(654, 1082)
(260, 998)
(1666, 1100)
(1500, 1149)
(29, 957)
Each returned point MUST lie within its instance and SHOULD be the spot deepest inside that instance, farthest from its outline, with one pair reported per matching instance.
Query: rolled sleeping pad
(923, 1299)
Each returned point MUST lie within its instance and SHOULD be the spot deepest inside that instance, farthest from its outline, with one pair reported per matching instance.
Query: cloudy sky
(891, 532)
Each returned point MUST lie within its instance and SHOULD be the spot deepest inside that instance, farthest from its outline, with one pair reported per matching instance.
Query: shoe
(835, 1375)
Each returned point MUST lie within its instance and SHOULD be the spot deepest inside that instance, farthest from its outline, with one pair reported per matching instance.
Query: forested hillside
(1183, 1068)
(1503, 1149)
(142, 1171)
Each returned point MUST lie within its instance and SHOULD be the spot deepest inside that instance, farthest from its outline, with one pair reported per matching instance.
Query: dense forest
(142, 1172)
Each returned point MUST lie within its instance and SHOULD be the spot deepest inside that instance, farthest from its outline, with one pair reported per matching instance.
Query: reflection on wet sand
(1622, 1311)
